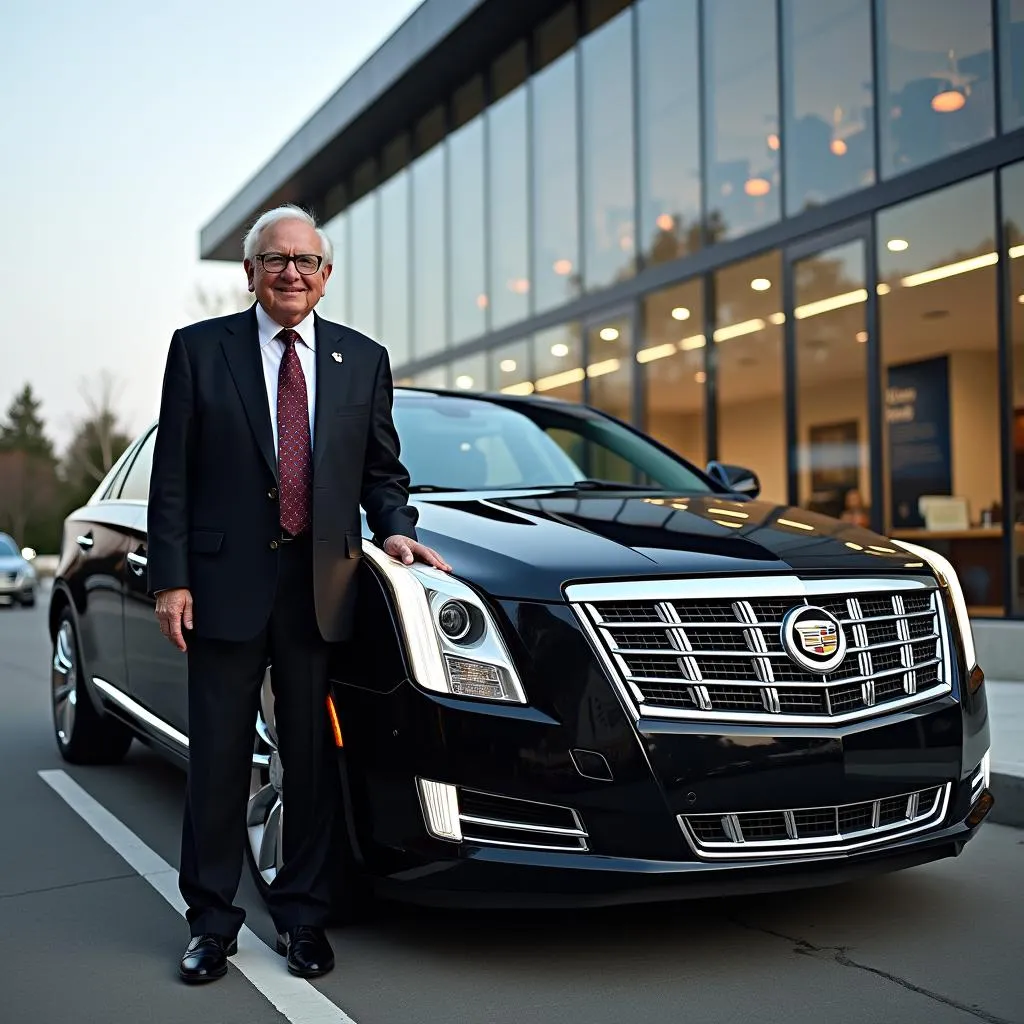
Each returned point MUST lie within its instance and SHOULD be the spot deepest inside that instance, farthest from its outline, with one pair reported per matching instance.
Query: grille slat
(735, 653)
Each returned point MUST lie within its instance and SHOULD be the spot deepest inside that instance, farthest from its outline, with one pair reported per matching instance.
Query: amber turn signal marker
(981, 808)
(976, 678)
(335, 727)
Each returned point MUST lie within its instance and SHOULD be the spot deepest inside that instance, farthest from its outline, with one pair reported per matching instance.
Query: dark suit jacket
(213, 500)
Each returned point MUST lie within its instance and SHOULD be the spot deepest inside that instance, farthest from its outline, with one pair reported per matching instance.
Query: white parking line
(295, 998)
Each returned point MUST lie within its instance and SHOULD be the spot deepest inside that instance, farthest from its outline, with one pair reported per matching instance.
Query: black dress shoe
(308, 951)
(206, 958)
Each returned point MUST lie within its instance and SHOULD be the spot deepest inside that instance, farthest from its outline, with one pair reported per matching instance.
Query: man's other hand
(409, 551)
(174, 611)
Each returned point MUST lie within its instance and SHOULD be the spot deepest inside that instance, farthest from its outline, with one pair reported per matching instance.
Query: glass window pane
(470, 373)
(1013, 241)
(610, 366)
(429, 290)
(748, 356)
(334, 304)
(833, 430)
(394, 250)
(363, 271)
(609, 229)
(742, 116)
(558, 362)
(466, 212)
(828, 130)
(555, 221)
(511, 371)
(935, 79)
(940, 364)
(136, 483)
(668, 132)
(435, 377)
(672, 356)
(509, 210)
(1011, 47)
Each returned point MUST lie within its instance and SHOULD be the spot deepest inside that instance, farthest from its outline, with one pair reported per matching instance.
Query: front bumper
(19, 589)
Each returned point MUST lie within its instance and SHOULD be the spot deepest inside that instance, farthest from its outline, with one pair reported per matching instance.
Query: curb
(1008, 808)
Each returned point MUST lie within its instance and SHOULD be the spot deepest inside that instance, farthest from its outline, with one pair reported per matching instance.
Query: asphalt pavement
(91, 926)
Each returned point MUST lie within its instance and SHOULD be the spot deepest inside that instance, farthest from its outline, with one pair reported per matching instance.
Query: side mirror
(737, 479)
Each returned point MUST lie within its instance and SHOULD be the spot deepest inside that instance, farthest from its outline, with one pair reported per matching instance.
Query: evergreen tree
(23, 429)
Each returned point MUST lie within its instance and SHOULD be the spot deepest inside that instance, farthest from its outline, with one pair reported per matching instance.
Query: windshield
(469, 444)
(7, 546)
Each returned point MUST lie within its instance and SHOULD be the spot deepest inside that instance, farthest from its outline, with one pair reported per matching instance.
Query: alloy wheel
(265, 812)
(64, 683)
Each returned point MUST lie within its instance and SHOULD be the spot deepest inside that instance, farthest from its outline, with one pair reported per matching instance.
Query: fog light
(976, 678)
(476, 679)
(440, 804)
(981, 808)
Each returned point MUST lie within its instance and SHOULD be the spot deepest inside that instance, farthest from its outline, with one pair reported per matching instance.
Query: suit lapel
(333, 377)
(241, 344)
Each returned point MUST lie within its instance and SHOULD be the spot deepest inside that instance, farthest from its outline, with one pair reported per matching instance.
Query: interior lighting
(987, 259)
(680, 313)
(760, 284)
(757, 187)
(609, 334)
(897, 245)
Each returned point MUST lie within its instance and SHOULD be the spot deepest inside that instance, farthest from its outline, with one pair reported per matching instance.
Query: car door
(157, 676)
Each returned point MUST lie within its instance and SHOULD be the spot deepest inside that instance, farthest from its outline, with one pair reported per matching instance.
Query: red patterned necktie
(294, 464)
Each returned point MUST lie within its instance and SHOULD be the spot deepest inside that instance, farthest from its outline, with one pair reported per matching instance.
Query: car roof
(405, 390)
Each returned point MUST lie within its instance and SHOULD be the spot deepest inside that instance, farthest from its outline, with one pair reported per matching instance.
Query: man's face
(286, 295)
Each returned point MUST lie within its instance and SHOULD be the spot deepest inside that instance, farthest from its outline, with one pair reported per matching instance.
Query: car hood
(528, 545)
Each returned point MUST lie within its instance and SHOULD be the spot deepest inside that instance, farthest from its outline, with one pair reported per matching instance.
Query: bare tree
(210, 302)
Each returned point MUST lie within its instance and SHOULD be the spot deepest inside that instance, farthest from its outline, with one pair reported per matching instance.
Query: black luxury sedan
(638, 683)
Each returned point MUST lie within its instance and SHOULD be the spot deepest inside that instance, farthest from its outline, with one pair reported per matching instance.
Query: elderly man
(275, 426)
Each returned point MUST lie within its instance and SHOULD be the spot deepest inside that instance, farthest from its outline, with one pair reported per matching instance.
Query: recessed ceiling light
(508, 365)
(609, 333)
(680, 313)
(559, 350)
(1020, 298)
(760, 284)
(897, 245)
(464, 381)
(862, 336)
(700, 376)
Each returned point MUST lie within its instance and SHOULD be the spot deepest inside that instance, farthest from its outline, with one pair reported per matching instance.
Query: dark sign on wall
(920, 447)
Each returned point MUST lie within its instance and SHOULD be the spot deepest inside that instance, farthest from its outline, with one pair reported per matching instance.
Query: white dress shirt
(272, 351)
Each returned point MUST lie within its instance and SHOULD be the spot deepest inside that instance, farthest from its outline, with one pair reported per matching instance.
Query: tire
(82, 735)
(264, 850)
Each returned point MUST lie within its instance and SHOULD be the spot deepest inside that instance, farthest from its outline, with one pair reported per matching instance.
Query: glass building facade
(787, 234)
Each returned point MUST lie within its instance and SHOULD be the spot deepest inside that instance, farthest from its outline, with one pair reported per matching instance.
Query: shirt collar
(269, 329)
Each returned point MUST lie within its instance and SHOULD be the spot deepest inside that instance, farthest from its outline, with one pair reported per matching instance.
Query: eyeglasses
(275, 262)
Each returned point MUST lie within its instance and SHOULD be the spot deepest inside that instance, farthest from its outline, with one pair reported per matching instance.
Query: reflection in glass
(610, 367)
(668, 130)
(429, 291)
(508, 169)
(470, 373)
(1013, 248)
(394, 261)
(511, 369)
(742, 116)
(935, 79)
(672, 356)
(363, 273)
(940, 365)
(828, 127)
(436, 377)
(609, 227)
(466, 212)
(833, 428)
(1011, 52)
(558, 362)
(334, 304)
(556, 271)
(748, 354)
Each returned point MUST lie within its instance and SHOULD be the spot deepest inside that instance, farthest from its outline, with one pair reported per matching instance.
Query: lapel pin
(336, 356)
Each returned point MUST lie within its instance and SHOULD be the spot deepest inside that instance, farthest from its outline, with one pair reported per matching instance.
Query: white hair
(251, 242)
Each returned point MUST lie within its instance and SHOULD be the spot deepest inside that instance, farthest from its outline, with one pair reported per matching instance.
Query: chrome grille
(750, 835)
(679, 650)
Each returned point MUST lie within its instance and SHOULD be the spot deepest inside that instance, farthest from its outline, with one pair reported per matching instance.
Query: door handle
(84, 541)
(137, 563)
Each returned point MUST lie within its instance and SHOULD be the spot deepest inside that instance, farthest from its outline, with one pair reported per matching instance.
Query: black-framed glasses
(305, 263)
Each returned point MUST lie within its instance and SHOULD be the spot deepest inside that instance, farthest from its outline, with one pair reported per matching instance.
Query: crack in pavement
(66, 885)
(839, 955)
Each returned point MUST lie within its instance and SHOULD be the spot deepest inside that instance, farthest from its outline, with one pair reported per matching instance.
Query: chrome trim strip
(476, 841)
(784, 848)
(136, 710)
(553, 830)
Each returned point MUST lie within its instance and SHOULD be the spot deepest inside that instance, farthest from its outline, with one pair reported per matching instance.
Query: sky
(124, 127)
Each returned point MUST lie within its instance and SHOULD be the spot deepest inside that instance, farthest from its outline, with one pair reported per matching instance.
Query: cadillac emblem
(813, 638)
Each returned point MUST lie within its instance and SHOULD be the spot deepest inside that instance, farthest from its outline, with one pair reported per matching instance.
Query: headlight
(453, 642)
(949, 579)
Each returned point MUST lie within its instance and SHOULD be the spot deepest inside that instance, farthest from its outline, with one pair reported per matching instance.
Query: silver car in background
(18, 579)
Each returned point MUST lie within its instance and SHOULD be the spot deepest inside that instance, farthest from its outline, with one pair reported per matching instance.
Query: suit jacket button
(273, 545)
(272, 493)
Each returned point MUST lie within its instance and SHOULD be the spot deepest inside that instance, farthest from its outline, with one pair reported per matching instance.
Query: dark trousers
(224, 685)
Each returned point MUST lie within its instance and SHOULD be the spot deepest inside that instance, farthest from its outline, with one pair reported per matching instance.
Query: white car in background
(18, 579)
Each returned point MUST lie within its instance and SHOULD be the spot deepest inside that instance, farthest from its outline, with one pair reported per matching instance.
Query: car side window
(136, 482)
(592, 457)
